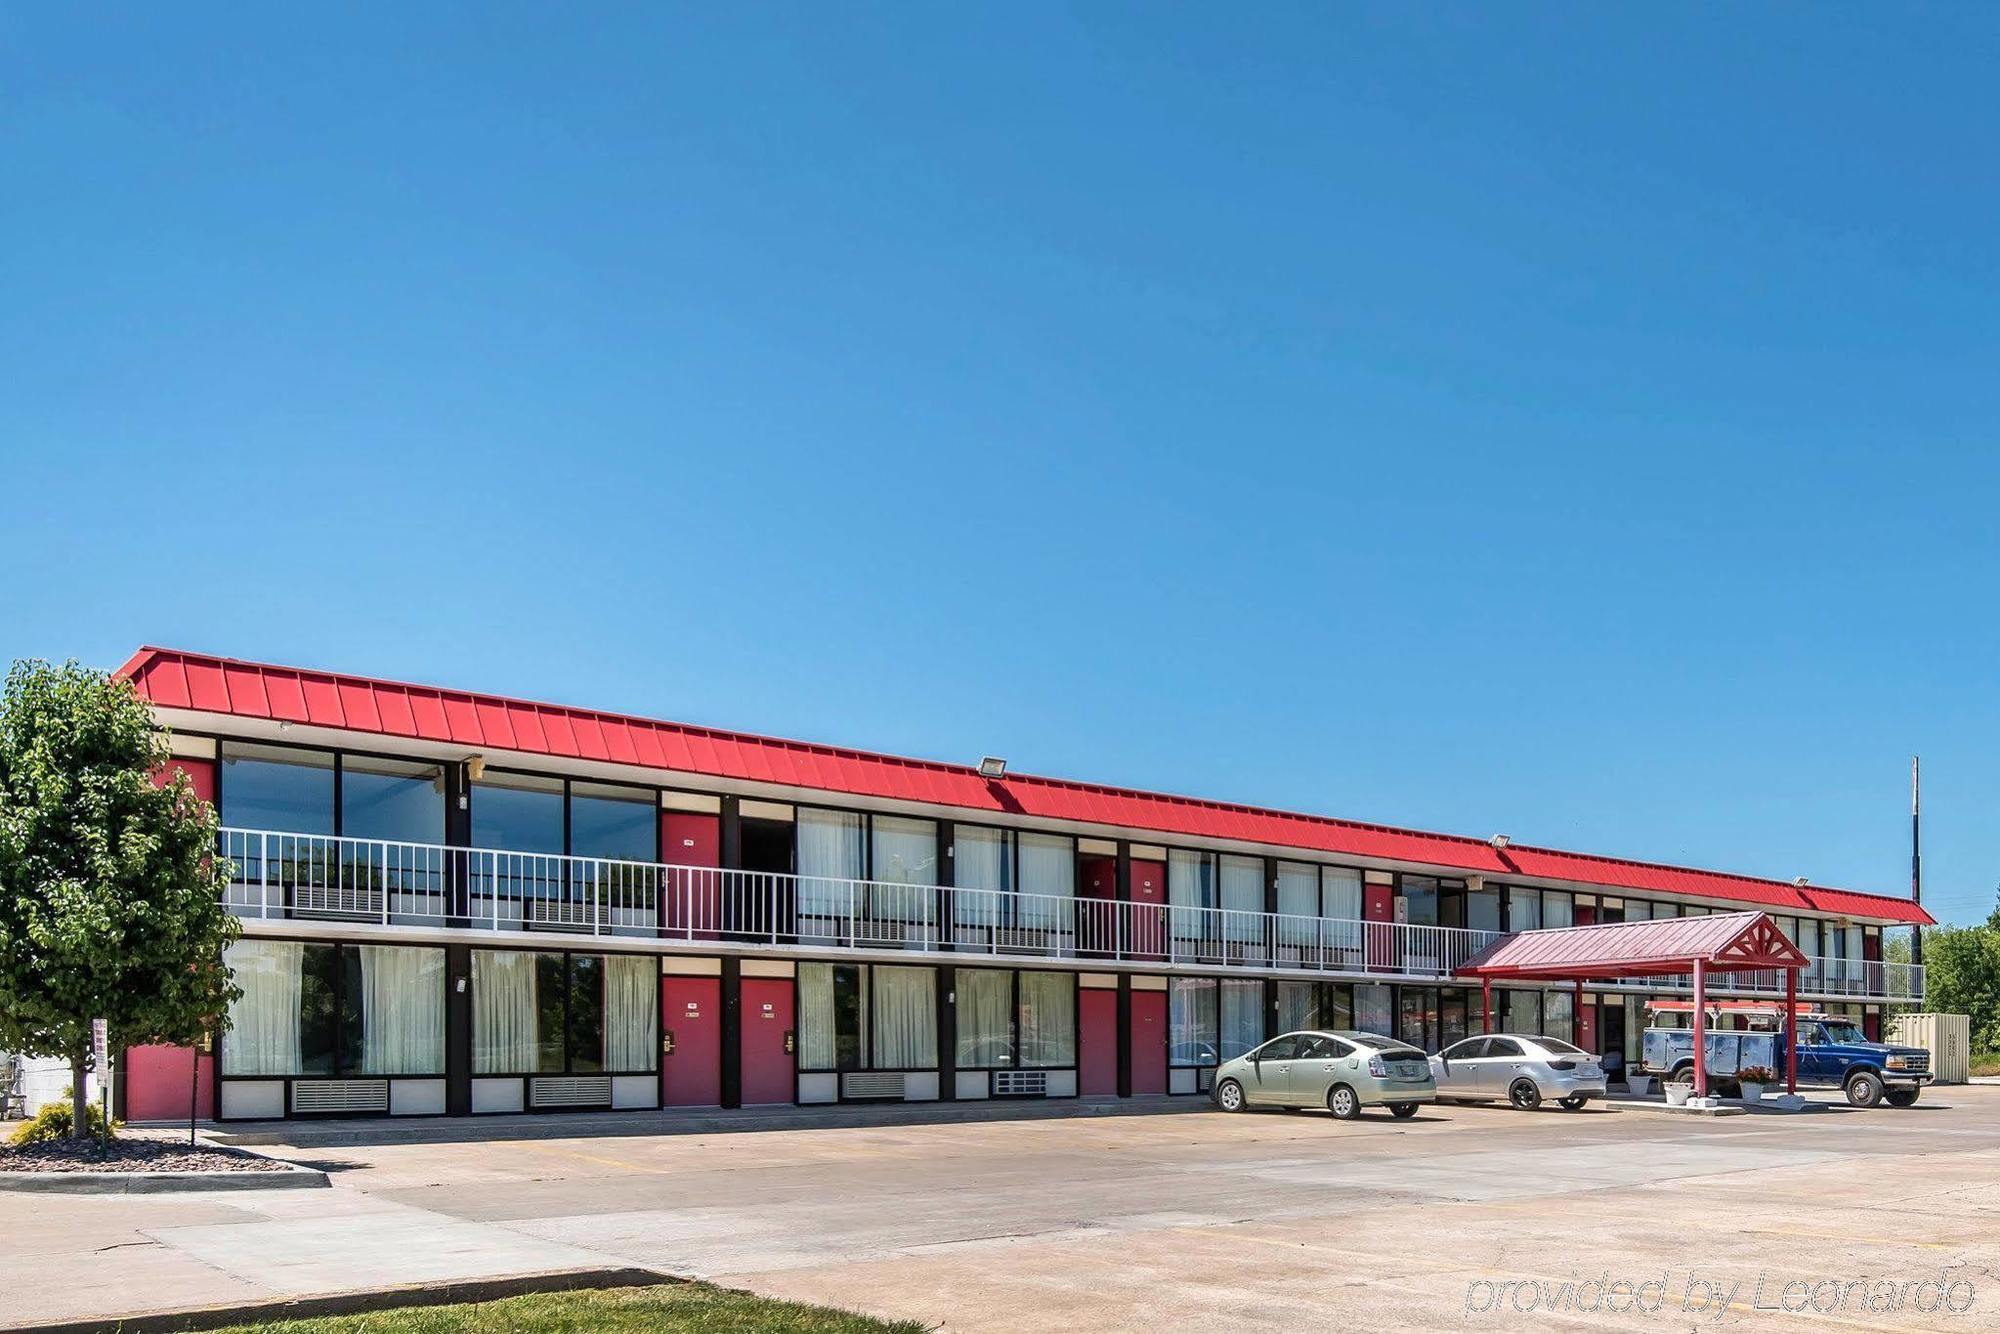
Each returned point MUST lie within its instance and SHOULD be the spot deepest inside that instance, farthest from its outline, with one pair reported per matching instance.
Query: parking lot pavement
(1151, 1221)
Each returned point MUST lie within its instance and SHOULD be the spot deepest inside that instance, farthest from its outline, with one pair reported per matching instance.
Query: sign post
(100, 1059)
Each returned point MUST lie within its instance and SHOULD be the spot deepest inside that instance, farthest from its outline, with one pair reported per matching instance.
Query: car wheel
(1575, 1102)
(1901, 1097)
(1403, 1110)
(1229, 1096)
(1343, 1102)
(1525, 1095)
(1864, 1090)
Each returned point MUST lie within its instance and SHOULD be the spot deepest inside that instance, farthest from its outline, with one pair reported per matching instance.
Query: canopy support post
(1701, 1028)
(1576, 1012)
(1486, 993)
(1789, 1030)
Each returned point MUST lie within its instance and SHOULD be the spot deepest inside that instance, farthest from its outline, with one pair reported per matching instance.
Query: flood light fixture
(992, 766)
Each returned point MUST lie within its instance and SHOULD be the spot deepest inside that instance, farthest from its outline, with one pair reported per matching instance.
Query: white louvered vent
(319, 1096)
(872, 1084)
(570, 1091)
(1020, 1083)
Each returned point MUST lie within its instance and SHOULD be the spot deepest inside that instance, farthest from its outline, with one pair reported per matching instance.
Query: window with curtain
(264, 1024)
(905, 852)
(1520, 1011)
(631, 1012)
(1048, 1019)
(1242, 894)
(321, 1010)
(1482, 909)
(1192, 1037)
(1190, 890)
(982, 860)
(833, 1016)
(277, 788)
(1340, 898)
(1524, 908)
(1372, 1010)
(905, 1010)
(1298, 899)
(401, 1003)
(505, 1012)
(1558, 1016)
(1048, 881)
(985, 1018)
(1242, 1024)
(1558, 908)
(830, 861)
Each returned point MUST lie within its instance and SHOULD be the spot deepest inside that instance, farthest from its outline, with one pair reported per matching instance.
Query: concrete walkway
(1147, 1221)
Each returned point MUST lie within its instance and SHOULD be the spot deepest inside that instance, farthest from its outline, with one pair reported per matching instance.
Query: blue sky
(1567, 421)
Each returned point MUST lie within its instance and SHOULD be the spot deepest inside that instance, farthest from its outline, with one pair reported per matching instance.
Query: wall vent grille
(872, 1084)
(318, 1096)
(570, 1091)
(1020, 1083)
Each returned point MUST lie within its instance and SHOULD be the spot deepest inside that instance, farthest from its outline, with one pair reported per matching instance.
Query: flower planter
(1639, 1086)
(1753, 1092)
(1678, 1094)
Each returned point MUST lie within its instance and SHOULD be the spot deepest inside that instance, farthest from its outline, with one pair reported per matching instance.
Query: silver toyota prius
(1520, 1068)
(1339, 1070)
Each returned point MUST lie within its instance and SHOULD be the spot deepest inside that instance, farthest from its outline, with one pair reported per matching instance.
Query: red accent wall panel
(1097, 1042)
(1586, 1028)
(157, 1084)
(694, 901)
(1149, 1042)
(691, 1074)
(201, 775)
(1871, 1025)
(767, 1018)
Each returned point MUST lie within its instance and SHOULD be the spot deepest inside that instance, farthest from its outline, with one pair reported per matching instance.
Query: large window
(1192, 1035)
(1007, 1018)
(397, 801)
(552, 1013)
(1191, 892)
(867, 1017)
(335, 1010)
(1520, 1011)
(1242, 1016)
(277, 788)
(1039, 867)
(622, 823)
(1558, 1016)
(1372, 1012)
(517, 812)
(903, 852)
(1242, 880)
(1558, 908)
(1482, 909)
(1524, 908)
(1315, 1005)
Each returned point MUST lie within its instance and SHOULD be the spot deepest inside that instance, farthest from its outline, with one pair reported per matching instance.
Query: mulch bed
(132, 1151)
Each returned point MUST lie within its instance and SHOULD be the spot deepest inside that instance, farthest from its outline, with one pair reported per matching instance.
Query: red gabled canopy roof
(1731, 941)
(203, 683)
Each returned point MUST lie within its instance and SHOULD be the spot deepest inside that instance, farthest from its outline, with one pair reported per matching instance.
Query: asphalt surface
(1459, 1218)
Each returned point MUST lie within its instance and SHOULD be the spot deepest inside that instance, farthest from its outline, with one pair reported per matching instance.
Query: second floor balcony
(310, 877)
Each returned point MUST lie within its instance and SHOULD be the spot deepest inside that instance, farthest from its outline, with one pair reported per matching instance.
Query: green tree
(1962, 976)
(110, 886)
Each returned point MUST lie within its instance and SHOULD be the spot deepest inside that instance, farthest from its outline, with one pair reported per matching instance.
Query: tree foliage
(110, 887)
(1962, 976)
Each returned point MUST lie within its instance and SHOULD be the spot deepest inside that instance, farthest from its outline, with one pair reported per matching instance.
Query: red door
(1097, 1042)
(691, 1064)
(694, 898)
(767, 1029)
(1149, 919)
(1097, 922)
(1586, 1028)
(1378, 906)
(1149, 1042)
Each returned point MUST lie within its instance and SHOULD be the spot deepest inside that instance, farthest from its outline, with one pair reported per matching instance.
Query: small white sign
(100, 1046)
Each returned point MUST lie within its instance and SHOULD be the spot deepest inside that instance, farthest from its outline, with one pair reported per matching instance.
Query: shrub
(53, 1123)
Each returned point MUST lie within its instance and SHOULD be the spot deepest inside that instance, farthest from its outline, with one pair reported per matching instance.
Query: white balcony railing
(319, 877)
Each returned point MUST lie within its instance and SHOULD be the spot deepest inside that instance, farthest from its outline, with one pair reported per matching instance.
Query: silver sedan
(1522, 1068)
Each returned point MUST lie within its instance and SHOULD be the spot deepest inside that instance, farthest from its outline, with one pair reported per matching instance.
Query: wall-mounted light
(475, 767)
(284, 724)
(992, 766)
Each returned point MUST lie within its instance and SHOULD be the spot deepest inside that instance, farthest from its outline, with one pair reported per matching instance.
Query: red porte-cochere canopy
(1732, 942)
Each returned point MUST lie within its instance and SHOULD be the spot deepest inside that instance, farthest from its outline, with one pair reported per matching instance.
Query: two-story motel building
(461, 904)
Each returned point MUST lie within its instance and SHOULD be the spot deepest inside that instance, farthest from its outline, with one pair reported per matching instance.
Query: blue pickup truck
(1833, 1052)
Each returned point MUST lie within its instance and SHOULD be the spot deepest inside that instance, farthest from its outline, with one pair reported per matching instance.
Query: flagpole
(1916, 859)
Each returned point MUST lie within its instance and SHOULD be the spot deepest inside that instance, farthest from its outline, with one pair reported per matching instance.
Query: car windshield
(1839, 1030)
(1557, 1044)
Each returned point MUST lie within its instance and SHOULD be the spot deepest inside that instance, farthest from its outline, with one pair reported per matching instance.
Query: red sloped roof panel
(1636, 949)
(174, 679)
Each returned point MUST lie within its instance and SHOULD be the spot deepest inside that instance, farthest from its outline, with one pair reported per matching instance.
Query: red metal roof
(171, 678)
(1735, 940)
